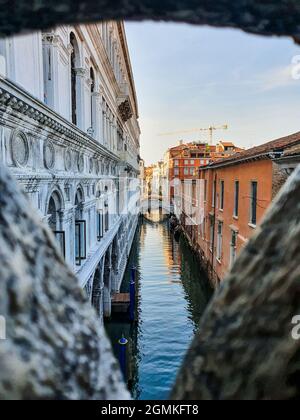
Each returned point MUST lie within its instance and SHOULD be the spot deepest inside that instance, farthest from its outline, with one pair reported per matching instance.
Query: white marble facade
(69, 132)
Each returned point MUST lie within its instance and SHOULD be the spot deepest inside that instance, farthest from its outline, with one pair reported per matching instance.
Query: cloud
(276, 78)
(279, 77)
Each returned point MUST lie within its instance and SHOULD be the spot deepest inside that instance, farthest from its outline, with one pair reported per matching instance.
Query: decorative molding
(125, 110)
(48, 118)
(19, 148)
(67, 189)
(68, 159)
(80, 162)
(91, 165)
(32, 185)
(49, 154)
(81, 72)
(97, 166)
(55, 40)
(51, 38)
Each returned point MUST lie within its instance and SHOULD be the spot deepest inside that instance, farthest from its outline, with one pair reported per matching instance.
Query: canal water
(173, 293)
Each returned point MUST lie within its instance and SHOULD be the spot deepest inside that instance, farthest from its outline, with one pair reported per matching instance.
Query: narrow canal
(173, 293)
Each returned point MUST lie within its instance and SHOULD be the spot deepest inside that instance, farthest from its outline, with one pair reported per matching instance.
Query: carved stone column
(51, 74)
(96, 117)
(80, 97)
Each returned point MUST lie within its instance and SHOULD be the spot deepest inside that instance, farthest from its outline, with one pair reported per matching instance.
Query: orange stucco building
(184, 161)
(237, 192)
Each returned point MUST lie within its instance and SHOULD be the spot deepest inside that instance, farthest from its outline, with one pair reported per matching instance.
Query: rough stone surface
(244, 348)
(55, 346)
(257, 16)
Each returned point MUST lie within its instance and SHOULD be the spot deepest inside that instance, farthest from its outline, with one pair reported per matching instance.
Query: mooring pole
(132, 295)
(122, 356)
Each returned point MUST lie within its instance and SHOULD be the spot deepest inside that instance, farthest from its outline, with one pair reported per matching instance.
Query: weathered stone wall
(256, 16)
(244, 348)
(55, 346)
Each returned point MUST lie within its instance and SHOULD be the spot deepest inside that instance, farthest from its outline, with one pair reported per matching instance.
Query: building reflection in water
(173, 293)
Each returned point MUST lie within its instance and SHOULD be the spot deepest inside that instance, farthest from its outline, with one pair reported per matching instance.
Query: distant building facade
(183, 162)
(69, 133)
(235, 194)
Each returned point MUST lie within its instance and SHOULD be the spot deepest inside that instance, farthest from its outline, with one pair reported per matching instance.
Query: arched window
(79, 203)
(74, 66)
(80, 228)
(92, 100)
(54, 220)
(52, 212)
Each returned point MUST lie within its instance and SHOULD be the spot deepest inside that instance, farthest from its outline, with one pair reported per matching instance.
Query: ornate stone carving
(68, 160)
(19, 148)
(49, 154)
(97, 167)
(51, 38)
(81, 72)
(91, 165)
(67, 191)
(32, 185)
(80, 162)
(125, 110)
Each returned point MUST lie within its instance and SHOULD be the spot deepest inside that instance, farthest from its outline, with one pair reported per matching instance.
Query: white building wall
(25, 63)
(51, 157)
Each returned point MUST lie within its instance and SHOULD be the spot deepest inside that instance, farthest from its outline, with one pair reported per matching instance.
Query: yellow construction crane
(210, 129)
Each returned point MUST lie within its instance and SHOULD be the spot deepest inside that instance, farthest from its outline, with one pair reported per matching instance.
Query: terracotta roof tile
(272, 146)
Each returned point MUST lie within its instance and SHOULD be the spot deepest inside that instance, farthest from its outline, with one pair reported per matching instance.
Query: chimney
(180, 143)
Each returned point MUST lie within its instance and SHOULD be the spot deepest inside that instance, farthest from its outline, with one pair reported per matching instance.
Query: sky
(188, 77)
